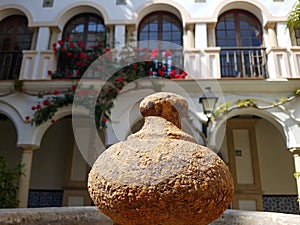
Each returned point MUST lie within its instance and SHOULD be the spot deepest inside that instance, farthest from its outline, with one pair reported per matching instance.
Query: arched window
(239, 34)
(162, 26)
(15, 36)
(88, 30)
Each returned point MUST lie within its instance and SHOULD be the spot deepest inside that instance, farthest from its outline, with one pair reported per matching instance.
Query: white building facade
(241, 49)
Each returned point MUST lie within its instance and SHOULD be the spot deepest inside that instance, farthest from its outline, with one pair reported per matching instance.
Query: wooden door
(244, 164)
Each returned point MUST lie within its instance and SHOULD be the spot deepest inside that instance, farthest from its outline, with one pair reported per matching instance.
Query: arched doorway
(59, 172)
(262, 168)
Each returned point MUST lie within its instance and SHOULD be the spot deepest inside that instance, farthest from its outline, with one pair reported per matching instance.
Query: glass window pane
(161, 25)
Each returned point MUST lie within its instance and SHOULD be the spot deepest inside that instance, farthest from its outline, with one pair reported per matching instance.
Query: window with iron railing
(15, 36)
(87, 31)
(239, 34)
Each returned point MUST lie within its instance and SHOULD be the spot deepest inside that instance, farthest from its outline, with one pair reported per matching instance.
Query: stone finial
(159, 175)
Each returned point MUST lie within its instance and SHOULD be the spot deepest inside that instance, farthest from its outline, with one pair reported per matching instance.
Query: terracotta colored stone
(159, 175)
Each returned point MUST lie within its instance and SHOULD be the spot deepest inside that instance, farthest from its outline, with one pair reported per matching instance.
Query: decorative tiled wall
(271, 203)
(281, 203)
(44, 198)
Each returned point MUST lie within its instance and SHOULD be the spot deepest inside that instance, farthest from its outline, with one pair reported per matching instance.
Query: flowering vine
(75, 58)
(227, 107)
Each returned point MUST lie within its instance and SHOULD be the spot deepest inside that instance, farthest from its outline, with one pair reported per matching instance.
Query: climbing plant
(9, 178)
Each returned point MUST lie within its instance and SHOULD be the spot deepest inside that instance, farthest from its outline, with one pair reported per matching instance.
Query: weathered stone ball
(159, 175)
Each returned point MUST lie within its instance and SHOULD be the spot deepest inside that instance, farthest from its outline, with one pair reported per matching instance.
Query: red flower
(79, 43)
(63, 49)
(178, 76)
(72, 45)
(184, 74)
(69, 54)
(161, 73)
(33, 108)
(46, 102)
(167, 54)
(49, 72)
(60, 42)
(56, 92)
(74, 87)
(104, 120)
(75, 56)
(55, 49)
(134, 66)
(151, 73)
(163, 68)
(67, 38)
(82, 55)
(172, 73)
(38, 106)
(54, 45)
(120, 79)
(27, 118)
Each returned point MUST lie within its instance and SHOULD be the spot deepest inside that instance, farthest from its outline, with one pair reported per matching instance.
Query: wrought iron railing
(243, 62)
(10, 64)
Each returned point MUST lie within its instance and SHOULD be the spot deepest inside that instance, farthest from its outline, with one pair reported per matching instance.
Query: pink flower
(154, 53)
(167, 54)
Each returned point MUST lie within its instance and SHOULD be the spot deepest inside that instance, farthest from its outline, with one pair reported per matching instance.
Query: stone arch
(74, 9)
(164, 5)
(13, 9)
(255, 7)
(272, 116)
(42, 129)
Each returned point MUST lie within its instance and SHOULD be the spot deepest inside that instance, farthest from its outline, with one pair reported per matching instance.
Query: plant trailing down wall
(9, 178)
(75, 59)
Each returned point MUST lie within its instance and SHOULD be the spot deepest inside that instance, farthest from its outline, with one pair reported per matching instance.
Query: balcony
(209, 63)
(249, 62)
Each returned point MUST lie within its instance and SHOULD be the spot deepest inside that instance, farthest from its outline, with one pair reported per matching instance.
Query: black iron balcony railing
(10, 64)
(243, 62)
